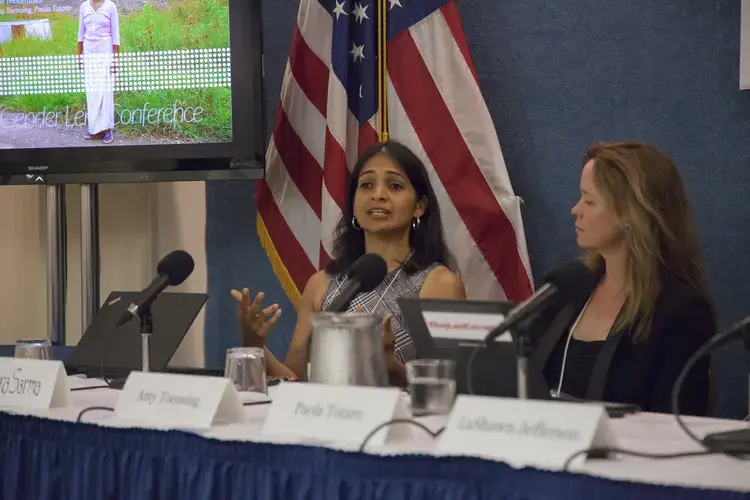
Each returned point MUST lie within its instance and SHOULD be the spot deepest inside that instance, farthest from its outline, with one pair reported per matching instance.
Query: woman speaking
(98, 44)
(651, 309)
(391, 210)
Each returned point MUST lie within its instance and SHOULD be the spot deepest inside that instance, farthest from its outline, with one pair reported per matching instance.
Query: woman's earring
(355, 224)
(415, 223)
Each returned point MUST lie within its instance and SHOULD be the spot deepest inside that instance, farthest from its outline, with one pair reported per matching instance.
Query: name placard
(33, 383)
(472, 327)
(179, 401)
(317, 412)
(543, 434)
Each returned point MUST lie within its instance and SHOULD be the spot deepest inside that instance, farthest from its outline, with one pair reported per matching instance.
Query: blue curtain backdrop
(558, 76)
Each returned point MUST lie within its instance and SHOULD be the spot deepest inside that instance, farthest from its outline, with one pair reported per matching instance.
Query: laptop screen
(172, 314)
(444, 323)
(453, 329)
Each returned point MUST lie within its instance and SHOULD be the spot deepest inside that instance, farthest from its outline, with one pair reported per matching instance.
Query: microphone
(730, 442)
(738, 331)
(572, 281)
(172, 270)
(362, 277)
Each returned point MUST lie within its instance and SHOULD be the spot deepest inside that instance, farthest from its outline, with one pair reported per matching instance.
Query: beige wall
(138, 224)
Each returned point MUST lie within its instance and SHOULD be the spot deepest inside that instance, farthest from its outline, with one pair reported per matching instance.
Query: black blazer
(642, 373)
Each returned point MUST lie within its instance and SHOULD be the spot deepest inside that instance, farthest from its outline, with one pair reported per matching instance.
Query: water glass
(33, 349)
(432, 386)
(246, 368)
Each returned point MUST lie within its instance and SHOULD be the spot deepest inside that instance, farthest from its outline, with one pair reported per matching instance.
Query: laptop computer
(452, 329)
(172, 314)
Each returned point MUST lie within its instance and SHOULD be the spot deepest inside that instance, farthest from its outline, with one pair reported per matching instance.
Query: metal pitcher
(347, 349)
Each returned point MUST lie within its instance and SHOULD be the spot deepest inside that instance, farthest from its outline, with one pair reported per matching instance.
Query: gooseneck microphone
(364, 275)
(571, 282)
(737, 442)
(172, 270)
(738, 331)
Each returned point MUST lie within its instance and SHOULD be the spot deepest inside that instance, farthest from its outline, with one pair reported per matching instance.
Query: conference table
(46, 454)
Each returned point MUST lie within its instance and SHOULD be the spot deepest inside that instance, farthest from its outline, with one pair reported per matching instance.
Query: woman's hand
(396, 369)
(255, 322)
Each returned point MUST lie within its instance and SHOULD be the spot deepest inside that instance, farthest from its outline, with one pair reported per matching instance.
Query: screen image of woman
(98, 42)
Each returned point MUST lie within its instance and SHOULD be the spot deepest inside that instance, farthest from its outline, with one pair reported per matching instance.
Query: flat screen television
(131, 90)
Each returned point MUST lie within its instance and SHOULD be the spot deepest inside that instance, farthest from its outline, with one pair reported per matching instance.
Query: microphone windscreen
(176, 266)
(573, 280)
(369, 270)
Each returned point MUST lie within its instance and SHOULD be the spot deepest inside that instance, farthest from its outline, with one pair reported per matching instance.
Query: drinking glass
(246, 368)
(33, 349)
(432, 386)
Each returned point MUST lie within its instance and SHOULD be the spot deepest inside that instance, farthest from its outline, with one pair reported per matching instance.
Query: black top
(579, 363)
(623, 371)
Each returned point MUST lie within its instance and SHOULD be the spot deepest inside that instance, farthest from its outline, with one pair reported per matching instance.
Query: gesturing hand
(389, 339)
(255, 322)
(396, 369)
(389, 336)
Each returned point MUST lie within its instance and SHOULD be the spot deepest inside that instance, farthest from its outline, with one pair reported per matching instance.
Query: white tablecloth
(644, 432)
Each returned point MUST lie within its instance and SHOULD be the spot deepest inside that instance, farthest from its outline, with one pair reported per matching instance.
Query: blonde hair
(644, 188)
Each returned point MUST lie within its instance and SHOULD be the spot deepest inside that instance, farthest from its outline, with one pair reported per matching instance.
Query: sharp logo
(113, 301)
(37, 168)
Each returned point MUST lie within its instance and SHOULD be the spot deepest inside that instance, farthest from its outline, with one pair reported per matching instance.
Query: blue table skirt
(46, 459)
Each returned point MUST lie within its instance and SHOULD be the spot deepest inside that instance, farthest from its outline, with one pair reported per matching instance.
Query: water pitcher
(347, 349)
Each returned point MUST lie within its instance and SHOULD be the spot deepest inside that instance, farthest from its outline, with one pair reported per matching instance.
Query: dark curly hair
(426, 240)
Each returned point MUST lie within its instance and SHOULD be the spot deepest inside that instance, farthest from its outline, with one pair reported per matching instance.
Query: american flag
(329, 113)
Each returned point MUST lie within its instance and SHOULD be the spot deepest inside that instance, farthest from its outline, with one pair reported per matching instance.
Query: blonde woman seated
(651, 309)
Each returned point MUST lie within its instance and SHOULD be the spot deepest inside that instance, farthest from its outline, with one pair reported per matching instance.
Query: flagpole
(382, 71)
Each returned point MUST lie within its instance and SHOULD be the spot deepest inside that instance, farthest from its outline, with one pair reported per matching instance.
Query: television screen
(112, 86)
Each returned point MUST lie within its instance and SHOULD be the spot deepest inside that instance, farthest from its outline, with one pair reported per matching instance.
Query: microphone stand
(147, 328)
(730, 442)
(523, 352)
(524, 347)
(737, 442)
